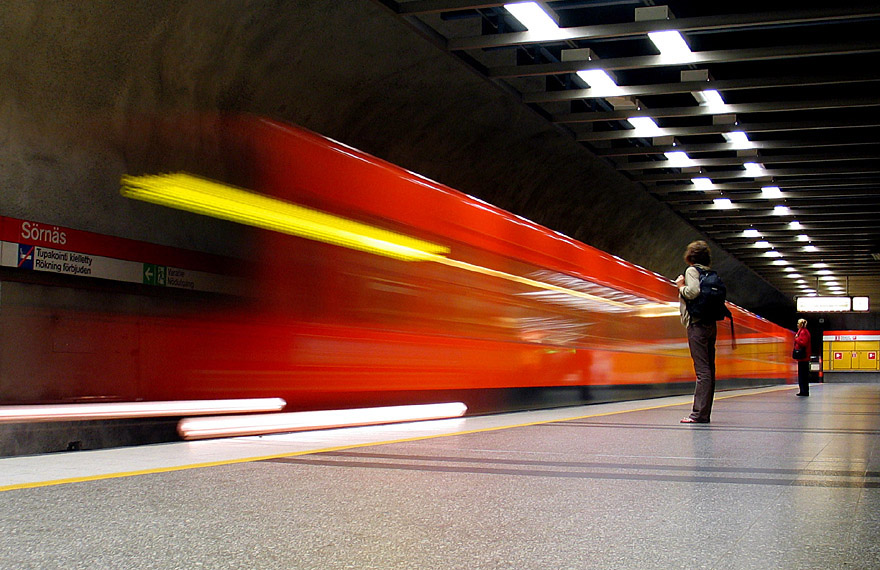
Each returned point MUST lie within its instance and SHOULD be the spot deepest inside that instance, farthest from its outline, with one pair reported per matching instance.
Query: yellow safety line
(33, 485)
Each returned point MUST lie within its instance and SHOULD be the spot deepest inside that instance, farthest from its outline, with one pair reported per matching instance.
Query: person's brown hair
(698, 252)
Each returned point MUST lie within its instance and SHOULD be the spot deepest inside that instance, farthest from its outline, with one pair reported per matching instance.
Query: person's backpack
(709, 304)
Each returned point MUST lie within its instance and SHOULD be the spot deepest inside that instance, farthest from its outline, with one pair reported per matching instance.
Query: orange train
(509, 315)
(486, 308)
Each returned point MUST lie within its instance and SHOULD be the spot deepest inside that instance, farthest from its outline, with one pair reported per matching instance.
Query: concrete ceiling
(798, 82)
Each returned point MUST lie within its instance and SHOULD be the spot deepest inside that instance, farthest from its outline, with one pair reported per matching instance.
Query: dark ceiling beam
(727, 128)
(694, 58)
(704, 111)
(870, 187)
(689, 86)
(439, 6)
(769, 173)
(823, 249)
(696, 214)
(825, 207)
(869, 228)
(724, 147)
(635, 29)
(789, 197)
(786, 234)
(740, 160)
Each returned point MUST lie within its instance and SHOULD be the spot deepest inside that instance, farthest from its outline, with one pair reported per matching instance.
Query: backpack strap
(732, 332)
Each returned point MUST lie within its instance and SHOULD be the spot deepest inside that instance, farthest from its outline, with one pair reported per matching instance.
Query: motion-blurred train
(369, 285)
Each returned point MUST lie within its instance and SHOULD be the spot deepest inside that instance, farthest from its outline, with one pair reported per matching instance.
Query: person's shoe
(690, 420)
(804, 395)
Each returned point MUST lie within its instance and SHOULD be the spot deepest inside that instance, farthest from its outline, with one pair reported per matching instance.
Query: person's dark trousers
(804, 378)
(701, 340)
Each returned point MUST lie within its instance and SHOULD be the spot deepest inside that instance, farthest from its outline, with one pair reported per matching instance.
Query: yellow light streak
(193, 194)
(201, 196)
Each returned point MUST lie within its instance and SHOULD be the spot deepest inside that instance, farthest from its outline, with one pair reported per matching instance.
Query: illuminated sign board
(824, 304)
(831, 304)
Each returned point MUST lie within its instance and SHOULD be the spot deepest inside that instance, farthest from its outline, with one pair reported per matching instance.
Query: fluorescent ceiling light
(709, 98)
(827, 278)
(193, 194)
(792, 275)
(678, 158)
(811, 248)
(738, 139)
(754, 169)
(532, 16)
(670, 43)
(762, 244)
(780, 262)
(770, 191)
(645, 124)
(803, 237)
(772, 253)
(820, 265)
(801, 282)
(824, 272)
(702, 183)
(751, 232)
(723, 203)
(790, 269)
(599, 80)
(795, 225)
(201, 428)
(781, 210)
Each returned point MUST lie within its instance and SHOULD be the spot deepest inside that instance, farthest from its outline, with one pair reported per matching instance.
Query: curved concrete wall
(78, 77)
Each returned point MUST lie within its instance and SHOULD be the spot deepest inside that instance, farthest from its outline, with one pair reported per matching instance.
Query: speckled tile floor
(774, 481)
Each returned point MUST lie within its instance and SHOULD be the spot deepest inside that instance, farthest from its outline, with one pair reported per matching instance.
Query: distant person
(701, 332)
(802, 340)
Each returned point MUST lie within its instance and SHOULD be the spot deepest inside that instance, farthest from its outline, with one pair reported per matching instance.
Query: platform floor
(775, 481)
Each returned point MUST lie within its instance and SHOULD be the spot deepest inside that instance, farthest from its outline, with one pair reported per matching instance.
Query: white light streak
(116, 410)
(201, 428)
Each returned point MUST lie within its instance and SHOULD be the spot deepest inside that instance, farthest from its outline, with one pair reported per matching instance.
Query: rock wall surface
(84, 83)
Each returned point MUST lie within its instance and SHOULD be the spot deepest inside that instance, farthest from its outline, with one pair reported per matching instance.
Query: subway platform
(775, 481)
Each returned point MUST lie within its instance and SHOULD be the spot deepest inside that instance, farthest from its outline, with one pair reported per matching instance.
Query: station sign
(836, 304)
(824, 304)
(853, 336)
(33, 246)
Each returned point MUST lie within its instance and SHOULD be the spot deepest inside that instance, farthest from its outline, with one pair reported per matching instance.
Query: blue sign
(26, 256)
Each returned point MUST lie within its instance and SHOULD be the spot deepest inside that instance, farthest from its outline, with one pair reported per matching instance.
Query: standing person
(802, 340)
(701, 333)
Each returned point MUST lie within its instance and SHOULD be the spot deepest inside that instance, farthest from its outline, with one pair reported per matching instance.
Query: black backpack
(709, 304)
